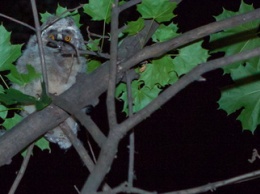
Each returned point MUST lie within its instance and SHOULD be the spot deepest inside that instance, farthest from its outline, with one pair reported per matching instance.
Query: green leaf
(120, 89)
(92, 65)
(99, 10)
(8, 52)
(44, 101)
(93, 45)
(237, 39)
(13, 96)
(159, 72)
(60, 10)
(159, 10)
(1, 89)
(245, 95)
(134, 27)
(23, 79)
(189, 57)
(164, 33)
(142, 95)
(11, 122)
(3, 111)
(43, 144)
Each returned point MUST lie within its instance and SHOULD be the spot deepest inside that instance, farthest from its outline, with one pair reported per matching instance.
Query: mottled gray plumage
(62, 35)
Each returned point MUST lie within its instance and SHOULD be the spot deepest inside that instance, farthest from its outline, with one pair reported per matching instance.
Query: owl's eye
(51, 36)
(67, 38)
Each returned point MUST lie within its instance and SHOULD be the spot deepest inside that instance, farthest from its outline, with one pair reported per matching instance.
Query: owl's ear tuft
(70, 21)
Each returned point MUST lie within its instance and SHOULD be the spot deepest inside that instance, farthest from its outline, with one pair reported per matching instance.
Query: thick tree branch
(159, 49)
(28, 130)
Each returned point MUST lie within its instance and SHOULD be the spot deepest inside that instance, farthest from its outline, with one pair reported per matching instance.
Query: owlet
(57, 37)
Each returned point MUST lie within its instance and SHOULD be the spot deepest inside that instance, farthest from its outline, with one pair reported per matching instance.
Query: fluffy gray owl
(62, 35)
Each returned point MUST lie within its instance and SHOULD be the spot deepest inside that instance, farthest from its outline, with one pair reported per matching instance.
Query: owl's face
(62, 34)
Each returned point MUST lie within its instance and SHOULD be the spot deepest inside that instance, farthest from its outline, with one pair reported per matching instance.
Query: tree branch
(183, 82)
(22, 169)
(215, 185)
(158, 49)
(131, 145)
(40, 46)
(17, 21)
(111, 107)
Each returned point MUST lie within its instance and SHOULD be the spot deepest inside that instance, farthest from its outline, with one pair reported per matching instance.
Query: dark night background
(187, 143)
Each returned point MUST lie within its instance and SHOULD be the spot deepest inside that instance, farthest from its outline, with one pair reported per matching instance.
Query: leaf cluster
(244, 94)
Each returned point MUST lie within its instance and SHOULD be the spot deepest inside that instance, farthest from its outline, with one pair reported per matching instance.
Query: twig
(22, 169)
(132, 136)
(17, 21)
(40, 45)
(95, 35)
(213, 186)
(125, 188)
(78, 146)
(98, 54)
(92, 152)
(60, 16)
(71, 10)
(111, 109)
(254, 156)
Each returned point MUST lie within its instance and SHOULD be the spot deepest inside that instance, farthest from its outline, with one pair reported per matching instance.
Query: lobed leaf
(189, 57)
(60, 11)
(243, 95)
(99, 10)
(238, 39)
(159, 10)
(164, 33)
(134, 27)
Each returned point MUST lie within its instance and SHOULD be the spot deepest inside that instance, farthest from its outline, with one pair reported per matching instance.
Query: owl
(58, 37)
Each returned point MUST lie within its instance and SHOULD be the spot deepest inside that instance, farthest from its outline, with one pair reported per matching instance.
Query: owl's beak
(59, 37)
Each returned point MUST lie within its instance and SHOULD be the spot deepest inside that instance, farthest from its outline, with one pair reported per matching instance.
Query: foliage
(10, 96)
(244, 94)
(62, 11)
(134, 27)
(160, 11)
(238, 39)
(99, 10)
(154, 74)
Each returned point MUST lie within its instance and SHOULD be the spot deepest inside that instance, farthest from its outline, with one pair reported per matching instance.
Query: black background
(188, 142)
